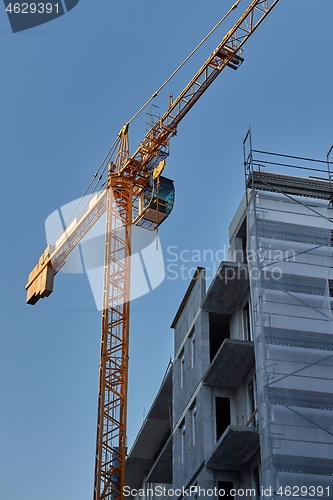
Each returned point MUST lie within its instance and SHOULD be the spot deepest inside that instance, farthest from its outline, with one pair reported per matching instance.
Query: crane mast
(128, 179)
(113, 370)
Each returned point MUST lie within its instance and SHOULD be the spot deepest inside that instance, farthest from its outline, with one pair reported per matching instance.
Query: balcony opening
(192, 347)
(224, 488)
(218, 331)
(222, 415)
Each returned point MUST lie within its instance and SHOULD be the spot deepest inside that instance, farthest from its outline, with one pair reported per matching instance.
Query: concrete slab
(162, 469)
(136, 469)
(152, 436)
(227, 288)
(236, 446)
(231, 363)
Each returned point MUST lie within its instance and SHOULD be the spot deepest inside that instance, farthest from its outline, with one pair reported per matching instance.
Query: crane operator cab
(155, 202)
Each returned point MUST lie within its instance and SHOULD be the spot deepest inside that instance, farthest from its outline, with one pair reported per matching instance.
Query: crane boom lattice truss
(128, 178)
(227, 53)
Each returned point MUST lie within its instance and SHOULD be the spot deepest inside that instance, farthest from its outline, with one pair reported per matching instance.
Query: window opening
(192, 348)
(222, 415)
(182, 369)
(224, 488)
(194, 424)
(182, 443)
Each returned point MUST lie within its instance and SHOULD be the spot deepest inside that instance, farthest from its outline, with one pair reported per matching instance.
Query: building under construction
(246, 409)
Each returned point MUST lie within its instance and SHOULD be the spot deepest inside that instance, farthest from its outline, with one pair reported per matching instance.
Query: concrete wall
(188, 311)
(192, 373)
(193, 321)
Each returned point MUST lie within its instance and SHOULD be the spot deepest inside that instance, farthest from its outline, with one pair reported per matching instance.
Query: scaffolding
(289, 254)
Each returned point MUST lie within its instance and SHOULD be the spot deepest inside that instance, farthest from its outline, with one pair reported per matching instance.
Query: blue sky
(66, 89)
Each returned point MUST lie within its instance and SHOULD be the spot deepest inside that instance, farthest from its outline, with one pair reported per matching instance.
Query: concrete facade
(215, 440)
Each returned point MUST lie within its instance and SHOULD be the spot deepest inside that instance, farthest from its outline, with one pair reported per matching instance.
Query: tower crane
(132, 197)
